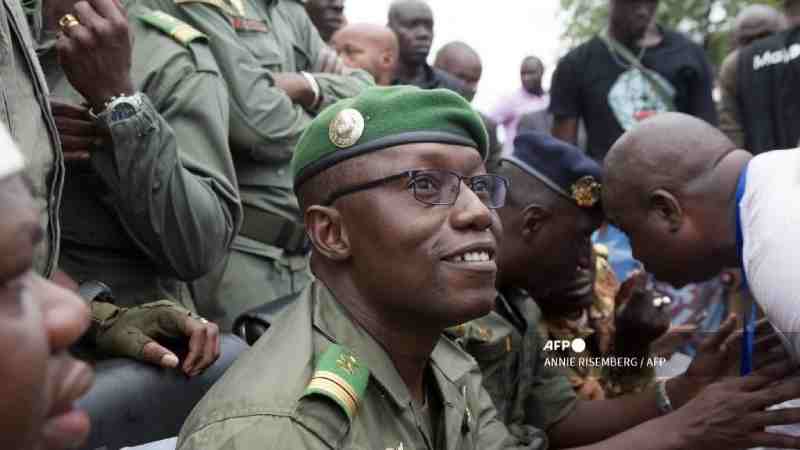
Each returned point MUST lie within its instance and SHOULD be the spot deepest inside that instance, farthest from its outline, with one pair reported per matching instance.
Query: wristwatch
(121, 107)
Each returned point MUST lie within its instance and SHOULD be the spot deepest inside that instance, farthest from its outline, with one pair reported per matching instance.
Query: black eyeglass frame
(468, 180)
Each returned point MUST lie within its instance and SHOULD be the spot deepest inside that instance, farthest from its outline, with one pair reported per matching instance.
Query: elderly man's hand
(95, 51)
(134, 333)
(639, 321)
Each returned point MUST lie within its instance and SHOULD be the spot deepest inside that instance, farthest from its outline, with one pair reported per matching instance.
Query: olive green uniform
(252, 40)
(27, 115)
(160, 206)
(262, 401)
(509, 349)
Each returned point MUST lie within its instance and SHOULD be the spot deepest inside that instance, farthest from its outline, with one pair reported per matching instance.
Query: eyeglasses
(439, 187)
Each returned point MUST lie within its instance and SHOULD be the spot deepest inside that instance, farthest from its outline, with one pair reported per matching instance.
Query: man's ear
(534, 218)
(666, 208)
(327, 232)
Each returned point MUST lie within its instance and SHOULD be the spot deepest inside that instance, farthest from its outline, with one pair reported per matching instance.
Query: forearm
(336, 87)
(170, 198)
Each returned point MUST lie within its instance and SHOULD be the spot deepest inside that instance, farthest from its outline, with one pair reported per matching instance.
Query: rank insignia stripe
(340, 376)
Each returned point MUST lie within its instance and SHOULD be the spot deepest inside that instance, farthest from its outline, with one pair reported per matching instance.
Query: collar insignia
(346, 128)
(586, 191)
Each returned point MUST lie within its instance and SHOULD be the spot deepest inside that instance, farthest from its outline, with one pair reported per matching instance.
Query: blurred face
(631, 18)
(358, 52)
(469, 70)
(413, 24)
(531, 74)
(38, 322)
(576, 294)
(327, 16)
(438, 261)
(560, 253)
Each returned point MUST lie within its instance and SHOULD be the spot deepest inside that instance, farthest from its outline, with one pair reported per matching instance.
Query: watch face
(122, 111)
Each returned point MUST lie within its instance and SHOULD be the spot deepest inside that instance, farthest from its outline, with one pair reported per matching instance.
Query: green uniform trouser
(253, 274)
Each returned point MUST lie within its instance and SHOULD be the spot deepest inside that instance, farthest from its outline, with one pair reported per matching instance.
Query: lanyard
(750, 318)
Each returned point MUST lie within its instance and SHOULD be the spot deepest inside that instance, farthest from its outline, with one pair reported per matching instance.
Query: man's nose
(66, 316)
(471, 212)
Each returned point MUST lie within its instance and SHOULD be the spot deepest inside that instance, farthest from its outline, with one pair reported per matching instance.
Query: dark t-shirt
(586, 75)
(434, 78)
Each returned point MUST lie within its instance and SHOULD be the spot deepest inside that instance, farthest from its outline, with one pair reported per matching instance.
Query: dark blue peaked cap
(564, 168)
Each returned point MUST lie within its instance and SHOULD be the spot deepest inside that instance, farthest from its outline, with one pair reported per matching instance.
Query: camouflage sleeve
(729, 121)
(170, 173)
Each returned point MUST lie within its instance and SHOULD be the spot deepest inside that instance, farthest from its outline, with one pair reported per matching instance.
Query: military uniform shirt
(509, 350)
(161, 204)
(26, 113)
(259, 402)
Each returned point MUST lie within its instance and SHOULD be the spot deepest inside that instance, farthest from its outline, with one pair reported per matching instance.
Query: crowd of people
(409, 272)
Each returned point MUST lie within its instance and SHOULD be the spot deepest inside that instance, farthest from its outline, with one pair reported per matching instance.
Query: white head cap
(11, 160)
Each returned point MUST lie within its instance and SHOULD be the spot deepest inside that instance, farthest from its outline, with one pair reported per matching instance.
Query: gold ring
(68, 21)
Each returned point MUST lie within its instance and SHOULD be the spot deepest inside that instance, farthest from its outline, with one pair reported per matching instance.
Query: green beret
(382, 117)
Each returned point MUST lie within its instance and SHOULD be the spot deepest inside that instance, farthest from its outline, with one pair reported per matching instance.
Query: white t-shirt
(770, 217)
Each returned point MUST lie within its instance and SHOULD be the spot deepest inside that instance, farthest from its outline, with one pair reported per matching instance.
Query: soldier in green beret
(401, 213)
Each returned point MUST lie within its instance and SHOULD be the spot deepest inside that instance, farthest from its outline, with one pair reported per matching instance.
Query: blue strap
(750, 318)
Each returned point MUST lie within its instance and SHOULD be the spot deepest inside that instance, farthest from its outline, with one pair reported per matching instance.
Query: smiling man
(400, 210)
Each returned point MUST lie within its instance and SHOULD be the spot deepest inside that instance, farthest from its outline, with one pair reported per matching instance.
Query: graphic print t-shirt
(590, 84)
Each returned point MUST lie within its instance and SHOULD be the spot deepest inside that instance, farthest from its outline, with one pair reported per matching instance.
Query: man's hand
(134, 332)
(95, 53)
(78, 131)
(731, 414)
(296, 87)
(638, 320)
(718, 356)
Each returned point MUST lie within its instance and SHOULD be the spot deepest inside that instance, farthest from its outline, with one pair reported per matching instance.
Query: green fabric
(351, 373)
(168, 181)
(178, 30)
(392, 116)
(259, 403)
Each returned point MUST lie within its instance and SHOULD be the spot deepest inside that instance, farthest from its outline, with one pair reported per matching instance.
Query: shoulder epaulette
(340, 376)
(177, 29)
(229, 7)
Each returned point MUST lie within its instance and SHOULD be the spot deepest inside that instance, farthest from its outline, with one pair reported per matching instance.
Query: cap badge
(346, 128)
(586, 191)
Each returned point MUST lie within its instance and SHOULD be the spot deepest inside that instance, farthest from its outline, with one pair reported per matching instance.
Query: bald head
(669, 185)
(463, 62)
(757, 21)
(371, 47)
(672, 150)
